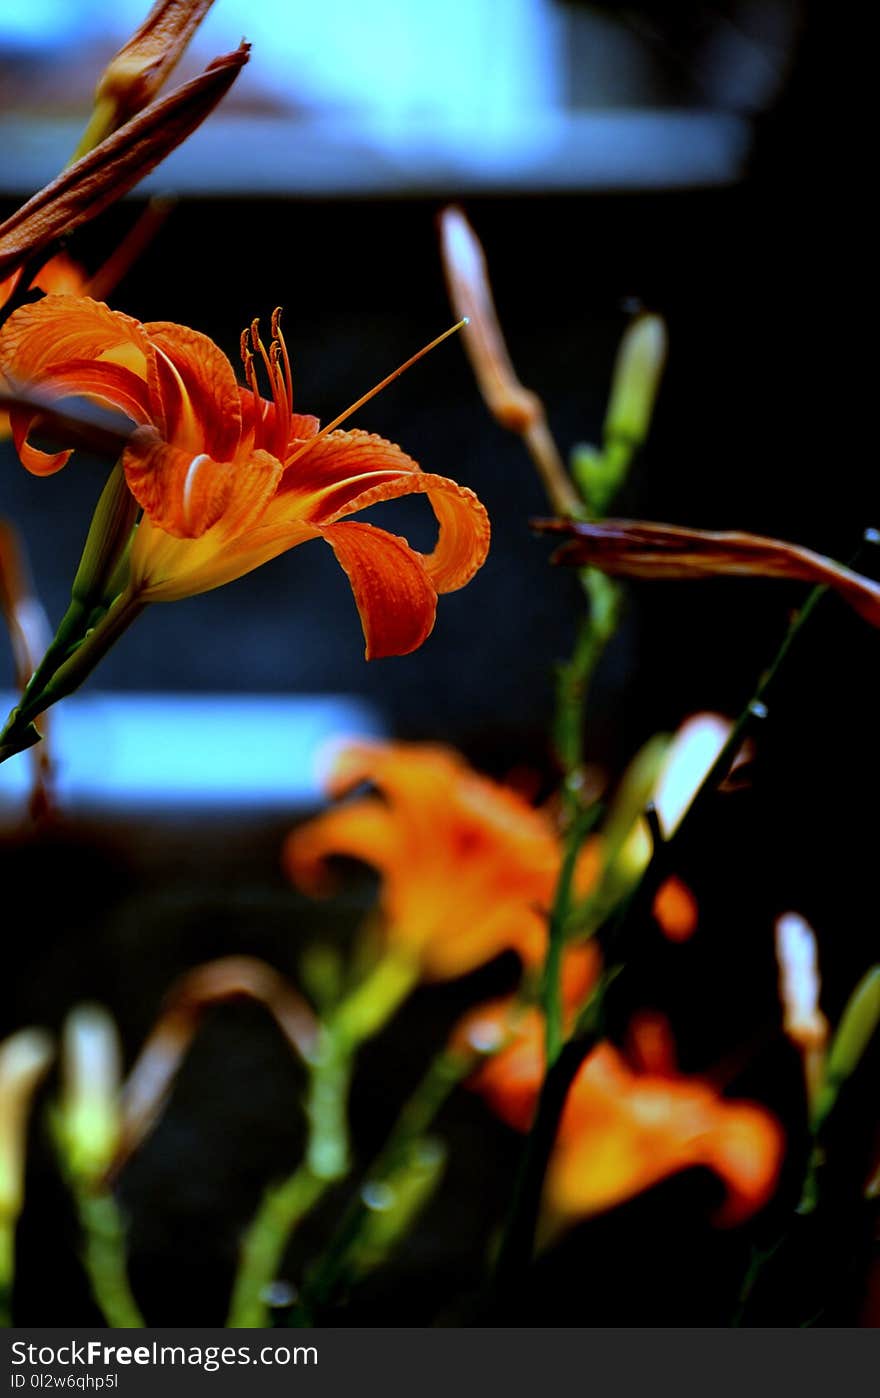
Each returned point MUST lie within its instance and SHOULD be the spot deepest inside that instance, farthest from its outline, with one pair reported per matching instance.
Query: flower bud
(637, 373)
(799, 984)
(24, 1059)
(90, 1107)
(135, 74)
(689, 760)
(856, 1028)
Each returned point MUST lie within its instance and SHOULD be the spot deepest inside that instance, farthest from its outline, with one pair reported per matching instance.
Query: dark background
(761, 425)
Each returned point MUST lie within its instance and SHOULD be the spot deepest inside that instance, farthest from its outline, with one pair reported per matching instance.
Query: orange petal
(319, 485)
(410, 774)
(98, 379)
(199, 397)
(60, 328)
(675, 909)
(348, 471)
(745, 1150)
(623, 1132)
(185, 495)
(394, 596)
(302, 425)
(62, 276)
(363, 829)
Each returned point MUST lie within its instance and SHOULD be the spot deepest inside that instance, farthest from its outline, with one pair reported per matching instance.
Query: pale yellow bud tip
(799, 982)
(92, 1065)
(637, 374)
(24, 1059)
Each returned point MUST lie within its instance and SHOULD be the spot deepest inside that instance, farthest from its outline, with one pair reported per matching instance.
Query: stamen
(277, 335)
(250, 374)
(260, 348)
(378, 389)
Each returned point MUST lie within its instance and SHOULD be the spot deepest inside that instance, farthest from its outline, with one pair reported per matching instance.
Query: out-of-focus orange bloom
(228, 479)
(468, 867)
(675, 909)
(623, 1131)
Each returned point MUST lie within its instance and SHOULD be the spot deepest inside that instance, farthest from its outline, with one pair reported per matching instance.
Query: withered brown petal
(98, 179)
(470, 292)
(135, 74)
(229, 978)
(637, 549)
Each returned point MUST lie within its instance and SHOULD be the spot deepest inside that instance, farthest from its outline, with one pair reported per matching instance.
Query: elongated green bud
(599, 474)
(90, 1110)
(24, 1059)
(637, 374)
(108, 536)
(857, 1027)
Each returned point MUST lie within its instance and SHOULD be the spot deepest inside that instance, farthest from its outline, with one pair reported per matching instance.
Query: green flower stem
(552, 982)
(104, 1257)
(518, 1241)
(445, 1072)
(362, 1013)
(264, 1243)
(604, 598)
(327, 1152)
(71, 630)
(7, 1270)
(371, 1004)
(108, 539)
(69, 675)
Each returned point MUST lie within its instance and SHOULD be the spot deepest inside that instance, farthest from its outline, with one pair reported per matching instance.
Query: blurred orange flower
(468, 867)
(228, 479)
(623, 1131)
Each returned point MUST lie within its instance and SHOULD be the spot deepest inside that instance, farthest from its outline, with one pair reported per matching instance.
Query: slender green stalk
(573, 680)
(518, 1240)
(357, 1018)
(264, 1243)
(445, 1072)
(104, 1257)
(69, 675)
(551, 993)
(7, 1270)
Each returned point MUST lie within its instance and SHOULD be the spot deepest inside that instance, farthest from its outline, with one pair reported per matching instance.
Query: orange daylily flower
(468, 867)
(228, 479)
(623, 1131)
